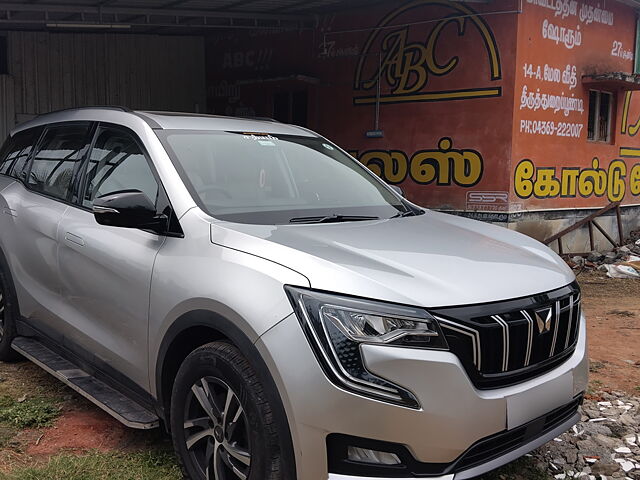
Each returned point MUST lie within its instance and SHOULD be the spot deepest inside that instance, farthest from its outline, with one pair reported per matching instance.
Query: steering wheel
(213, 188)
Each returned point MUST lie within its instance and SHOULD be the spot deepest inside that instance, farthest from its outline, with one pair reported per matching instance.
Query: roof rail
(263, 119)
(90, 107)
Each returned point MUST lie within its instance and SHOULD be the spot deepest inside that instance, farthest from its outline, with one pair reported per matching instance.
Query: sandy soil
(612, 307)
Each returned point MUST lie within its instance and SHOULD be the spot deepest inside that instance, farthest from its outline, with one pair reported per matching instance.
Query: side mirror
(128, 209)
(397, 189)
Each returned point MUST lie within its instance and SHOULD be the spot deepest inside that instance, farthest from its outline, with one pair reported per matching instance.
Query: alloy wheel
(216, 431)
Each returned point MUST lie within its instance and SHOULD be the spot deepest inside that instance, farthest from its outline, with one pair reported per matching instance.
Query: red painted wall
(554, 164)
(455, 125)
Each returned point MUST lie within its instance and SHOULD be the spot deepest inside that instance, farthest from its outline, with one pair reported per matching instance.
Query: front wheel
(221, 422)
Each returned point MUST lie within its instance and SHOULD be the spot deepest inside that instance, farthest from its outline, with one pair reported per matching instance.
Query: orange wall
(454, 123)
(446, 90)
(554, 165)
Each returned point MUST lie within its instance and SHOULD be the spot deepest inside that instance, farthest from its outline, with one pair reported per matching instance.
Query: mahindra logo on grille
(543, 317)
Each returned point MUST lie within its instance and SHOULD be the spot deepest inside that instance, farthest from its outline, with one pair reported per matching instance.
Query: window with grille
(600, 116)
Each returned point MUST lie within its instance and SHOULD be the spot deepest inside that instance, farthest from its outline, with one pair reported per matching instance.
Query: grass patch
(595, 366)
(595, 386)
(6, 436)
(32, 412)
(102, 466)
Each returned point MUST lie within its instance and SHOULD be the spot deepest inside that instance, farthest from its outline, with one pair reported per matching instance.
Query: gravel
(604, 444)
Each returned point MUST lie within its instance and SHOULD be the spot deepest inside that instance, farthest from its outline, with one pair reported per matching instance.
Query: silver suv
(282, 311)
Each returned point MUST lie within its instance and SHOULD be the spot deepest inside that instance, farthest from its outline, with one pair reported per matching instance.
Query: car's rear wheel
(221, 422)
(8, 312)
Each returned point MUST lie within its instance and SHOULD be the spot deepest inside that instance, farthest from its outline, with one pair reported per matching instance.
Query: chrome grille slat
(505, 342)
(555, 330)
(527, 357)
(566, 342)
(475, 338)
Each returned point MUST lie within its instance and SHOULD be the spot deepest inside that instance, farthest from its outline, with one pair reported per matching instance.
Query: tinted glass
(273, 179)
(57, 159)
(117, 163)
(16, 152)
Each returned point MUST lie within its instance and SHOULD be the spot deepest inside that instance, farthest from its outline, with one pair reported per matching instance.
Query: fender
(226, 329)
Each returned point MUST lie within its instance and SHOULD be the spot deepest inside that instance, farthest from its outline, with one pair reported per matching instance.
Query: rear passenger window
(55, 162)
(16, 152)
(117, 163)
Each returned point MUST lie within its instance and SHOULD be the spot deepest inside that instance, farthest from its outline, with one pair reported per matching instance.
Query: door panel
(106, 271)
(106, 276)
(30, 236)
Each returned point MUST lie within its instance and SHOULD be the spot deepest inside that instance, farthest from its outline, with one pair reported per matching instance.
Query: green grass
(6, 435)
(31, 413)
(102, 466)
(594, 386)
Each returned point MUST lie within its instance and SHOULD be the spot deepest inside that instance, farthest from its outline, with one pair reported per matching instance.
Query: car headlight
(337, 326)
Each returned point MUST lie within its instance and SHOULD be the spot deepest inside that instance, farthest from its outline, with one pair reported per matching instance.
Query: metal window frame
(596, 117)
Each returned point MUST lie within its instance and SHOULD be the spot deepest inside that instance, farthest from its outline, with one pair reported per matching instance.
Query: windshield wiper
(408, 213)
(332, 219)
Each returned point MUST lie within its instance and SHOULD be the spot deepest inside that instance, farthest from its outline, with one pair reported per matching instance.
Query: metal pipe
(18, 7)
(76, 25)
(378, 87)
(422, 22)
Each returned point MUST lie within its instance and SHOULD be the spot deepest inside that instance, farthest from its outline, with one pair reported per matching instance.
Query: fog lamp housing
(374, 457)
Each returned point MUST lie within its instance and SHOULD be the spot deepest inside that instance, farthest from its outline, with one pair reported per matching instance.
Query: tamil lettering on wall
(626, 127)
(442, 166)
(612, 181)
(409, 58)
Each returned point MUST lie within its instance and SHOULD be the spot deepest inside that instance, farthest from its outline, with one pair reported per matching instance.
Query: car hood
(431, 260)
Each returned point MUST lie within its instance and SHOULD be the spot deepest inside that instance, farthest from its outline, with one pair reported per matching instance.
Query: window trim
(76, 190)
(82, 184)
(10, 139)
(610, 134)
(36, 148)
(163, 196)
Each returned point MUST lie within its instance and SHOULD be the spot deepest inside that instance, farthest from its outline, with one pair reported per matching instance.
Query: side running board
(107, 398)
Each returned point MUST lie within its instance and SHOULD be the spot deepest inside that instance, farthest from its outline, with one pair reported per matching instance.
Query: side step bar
(107, 398)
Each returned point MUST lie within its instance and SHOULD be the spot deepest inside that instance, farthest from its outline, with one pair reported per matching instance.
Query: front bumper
(454, 415)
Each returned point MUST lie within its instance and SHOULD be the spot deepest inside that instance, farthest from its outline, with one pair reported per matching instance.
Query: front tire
(221, 421)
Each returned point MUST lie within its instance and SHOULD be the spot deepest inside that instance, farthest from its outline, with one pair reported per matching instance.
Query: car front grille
(508, 342)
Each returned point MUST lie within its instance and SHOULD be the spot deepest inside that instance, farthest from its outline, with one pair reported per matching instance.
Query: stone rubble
(618, 256)
(605, 444)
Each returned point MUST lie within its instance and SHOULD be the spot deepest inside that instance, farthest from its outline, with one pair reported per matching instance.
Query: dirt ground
(612, 307)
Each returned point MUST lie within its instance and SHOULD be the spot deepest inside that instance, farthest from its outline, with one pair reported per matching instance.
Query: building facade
(517, 112)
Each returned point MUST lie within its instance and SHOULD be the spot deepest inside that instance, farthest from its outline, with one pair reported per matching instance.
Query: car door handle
(70, 237)
(9, 211)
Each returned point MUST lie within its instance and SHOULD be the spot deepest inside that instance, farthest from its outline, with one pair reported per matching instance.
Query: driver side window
(117, 163)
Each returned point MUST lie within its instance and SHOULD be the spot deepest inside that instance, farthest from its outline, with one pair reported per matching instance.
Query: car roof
(168, 121)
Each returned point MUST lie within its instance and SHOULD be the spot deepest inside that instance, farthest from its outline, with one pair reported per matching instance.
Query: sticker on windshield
(327, 146)
(263, 140)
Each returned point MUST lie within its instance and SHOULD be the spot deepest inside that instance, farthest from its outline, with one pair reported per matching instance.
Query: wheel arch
(199, 327)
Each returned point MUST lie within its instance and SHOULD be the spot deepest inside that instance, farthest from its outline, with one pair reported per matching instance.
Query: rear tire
(222, 424)
(8, 315)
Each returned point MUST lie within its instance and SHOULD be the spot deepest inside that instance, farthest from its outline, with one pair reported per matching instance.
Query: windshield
(276, 179)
